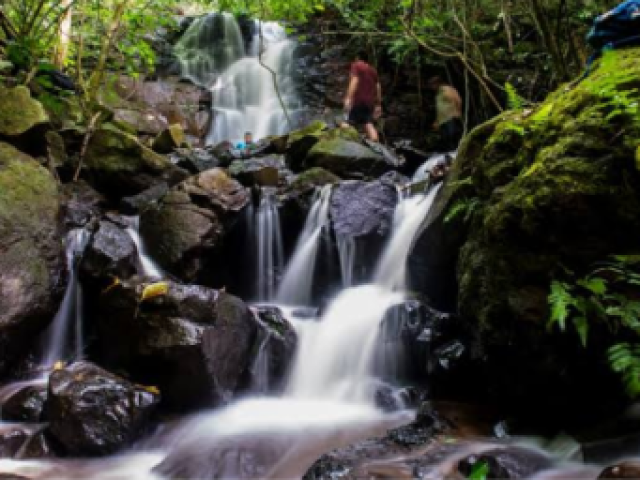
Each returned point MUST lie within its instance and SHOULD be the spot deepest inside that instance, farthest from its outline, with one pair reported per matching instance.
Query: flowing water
(347, 253)
(297, 283)
(269, 244)
(240, 74)
(59, 342)
(149, 267)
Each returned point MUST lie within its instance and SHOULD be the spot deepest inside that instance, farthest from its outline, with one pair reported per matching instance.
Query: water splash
(269, 244)
(58, 338)
(297, 283)
(149, 268)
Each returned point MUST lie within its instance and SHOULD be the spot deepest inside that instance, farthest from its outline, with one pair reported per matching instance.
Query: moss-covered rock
(169, 139)
(30, 252)
(118, 165)
(299, 142)
(20, 113)
(346, 158)
(542, 190)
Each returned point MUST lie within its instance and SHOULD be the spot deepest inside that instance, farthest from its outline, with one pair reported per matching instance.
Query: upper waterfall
(242, 73)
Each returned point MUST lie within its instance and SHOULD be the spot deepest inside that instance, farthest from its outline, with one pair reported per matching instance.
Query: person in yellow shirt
(448, 113)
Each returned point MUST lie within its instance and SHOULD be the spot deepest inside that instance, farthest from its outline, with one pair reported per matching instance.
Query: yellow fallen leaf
(59, 365)
(154, 290)
(115, 283)
(153, 389)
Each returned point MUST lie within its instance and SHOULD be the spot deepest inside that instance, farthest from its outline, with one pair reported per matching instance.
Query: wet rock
(274, 349)
(629, 469)
(111, 251)
(81, 204)
(185, 230)
(146, 122)
(31, 262)
(12, 438)
(137, 203)
(169, 139)
(118, 165)
(360, 209)
(300, 142)
(23, 120)
(93, 412)
(263, 171)
(194, 160)
(509, 462)
(26, 405)
(187, 329)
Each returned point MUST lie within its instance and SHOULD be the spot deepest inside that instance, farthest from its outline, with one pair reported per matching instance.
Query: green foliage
(465, 208)
(480, 471)
(514, 101)
(608, 296)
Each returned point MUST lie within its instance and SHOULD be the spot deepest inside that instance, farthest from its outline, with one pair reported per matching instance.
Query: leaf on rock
(154, 290)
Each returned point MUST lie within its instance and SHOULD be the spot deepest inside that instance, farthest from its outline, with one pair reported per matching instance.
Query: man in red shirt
(363, 102)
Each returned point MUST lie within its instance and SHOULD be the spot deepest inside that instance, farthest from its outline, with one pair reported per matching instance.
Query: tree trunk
(64, 35)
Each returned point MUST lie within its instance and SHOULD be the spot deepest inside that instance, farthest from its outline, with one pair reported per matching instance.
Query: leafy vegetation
(607, 296)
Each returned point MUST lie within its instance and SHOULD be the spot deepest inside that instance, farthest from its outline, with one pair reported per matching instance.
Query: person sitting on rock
(363, 101)
(448, 113)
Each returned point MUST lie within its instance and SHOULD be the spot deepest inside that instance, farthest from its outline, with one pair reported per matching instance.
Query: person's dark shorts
(450, 134)
(360, 115)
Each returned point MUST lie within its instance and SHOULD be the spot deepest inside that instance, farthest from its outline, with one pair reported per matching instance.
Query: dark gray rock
(111, 251)
(93, 412)
(26, 405)
(508, 462)
(138, 203)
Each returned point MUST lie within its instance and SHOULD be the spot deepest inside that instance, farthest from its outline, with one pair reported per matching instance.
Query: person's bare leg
(372, 133)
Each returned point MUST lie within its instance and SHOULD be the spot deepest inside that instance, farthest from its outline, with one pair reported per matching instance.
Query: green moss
(19, 113)
(314, 177)
(27, 192)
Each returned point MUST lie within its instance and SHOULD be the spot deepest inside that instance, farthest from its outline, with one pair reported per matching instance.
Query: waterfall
(297, 283)
(347, 254)
(149, 268)
(244, 96)
(269, 244)
(57, 339)
(410, 212)
(208, 47)
(212, 54)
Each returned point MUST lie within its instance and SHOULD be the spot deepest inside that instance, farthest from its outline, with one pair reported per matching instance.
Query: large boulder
(531, 196)
(111, 251)
(299, 142)
(194, 343)
(185, 230)
(93, 412)
(22, 119)
(31, 252)
(118, 165)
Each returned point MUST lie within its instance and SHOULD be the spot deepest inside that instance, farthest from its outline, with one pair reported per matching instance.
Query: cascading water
(269, 244)
(347, 254)
(411, 211)
(149, 268)
(244, 96)
(212, 54)
(297, 283)
(58, 340)
(208, 47)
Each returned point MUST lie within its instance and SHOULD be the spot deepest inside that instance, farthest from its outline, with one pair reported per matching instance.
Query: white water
(297, 283)
(149, 268)
(269, 244)
(58, 338)
(208, 47)
(425, 169)
(410, 212)
(347, 254)
(244, 96)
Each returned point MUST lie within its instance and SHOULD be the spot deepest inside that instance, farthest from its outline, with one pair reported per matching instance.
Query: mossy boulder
(118, 165)
(531, 194)
(23, 120)
(299, 142)
(170, 139)
(30, 252)
(346, 158)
